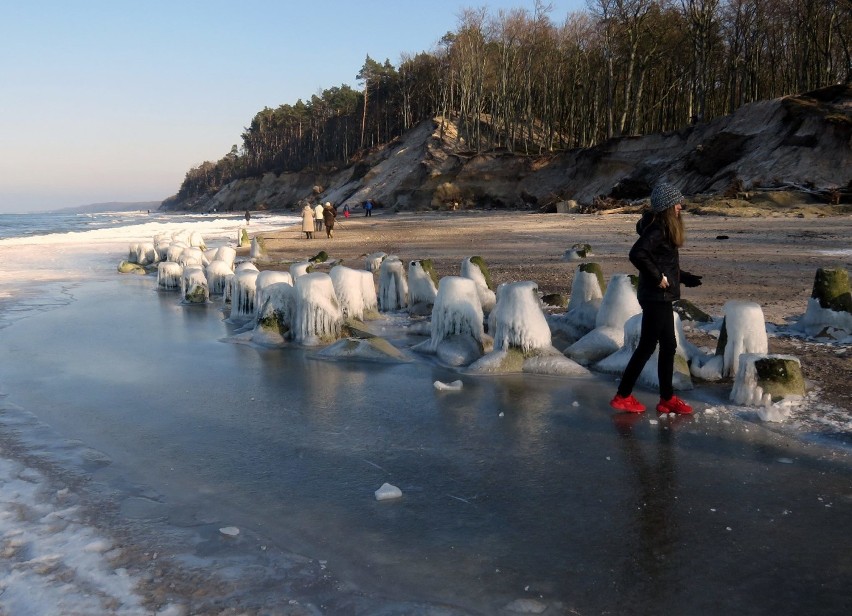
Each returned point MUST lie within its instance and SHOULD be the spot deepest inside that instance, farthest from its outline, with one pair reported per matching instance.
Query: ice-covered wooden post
(244, 291)
(193, 287)
(218, 273)
(766, 379)
(169, 275)
(476, 269)
(829, 311)
(355, 290)
(422, 287)
(276, 315)
(318, 317)
(393, 286)
(743, 331)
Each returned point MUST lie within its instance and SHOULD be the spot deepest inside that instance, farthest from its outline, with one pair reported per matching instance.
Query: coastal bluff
(801, 142)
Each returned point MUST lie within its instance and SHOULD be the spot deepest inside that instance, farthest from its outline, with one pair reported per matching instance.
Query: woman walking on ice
(655, 255)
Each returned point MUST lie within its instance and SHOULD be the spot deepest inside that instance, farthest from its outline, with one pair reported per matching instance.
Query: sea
(154, 462)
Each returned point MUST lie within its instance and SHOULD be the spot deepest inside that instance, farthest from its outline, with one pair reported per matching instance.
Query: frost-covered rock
(300, 268)
(618, 305)
(766, 380)
(319, 318)
(193, 287)
(276, 314)
(243, 294)
(422, 287)
(169, 275)
(355, 291)
(617, 362)
(743, 331)
(476, 269)
(374, 261)
(218, 273)
(457, 311)
(393, 286)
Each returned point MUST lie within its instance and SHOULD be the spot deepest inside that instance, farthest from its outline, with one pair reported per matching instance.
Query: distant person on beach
(655, 255)
(346, 211)
(308, 222)
(329, 215)
(248, 216)
(368, 208)
(318, 217)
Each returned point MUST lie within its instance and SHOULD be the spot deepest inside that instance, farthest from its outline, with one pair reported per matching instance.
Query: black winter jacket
(654, 255)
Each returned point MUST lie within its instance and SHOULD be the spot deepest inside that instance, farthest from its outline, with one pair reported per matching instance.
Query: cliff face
(804, 140)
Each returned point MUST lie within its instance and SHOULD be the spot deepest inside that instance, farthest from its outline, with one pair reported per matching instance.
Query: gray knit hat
(665, 196)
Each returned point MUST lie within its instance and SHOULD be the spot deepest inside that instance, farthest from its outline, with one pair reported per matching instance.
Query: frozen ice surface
(318, 315)
(457, 311)
(487, 297)
(517, 319)
(388, 492)
(746, 331)
(169, 275)
(393, 286)
(355, 291)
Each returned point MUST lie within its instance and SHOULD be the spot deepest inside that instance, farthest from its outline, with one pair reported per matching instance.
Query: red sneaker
(627, 403)
(674, 405)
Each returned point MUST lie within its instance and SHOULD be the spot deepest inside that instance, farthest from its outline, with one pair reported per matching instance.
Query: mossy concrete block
(594, 268)
(780, 376)
(480, 263)
(126, 267)
(560, 300)
(831, 288)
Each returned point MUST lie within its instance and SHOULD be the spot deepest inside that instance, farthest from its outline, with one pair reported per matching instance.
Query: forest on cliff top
(520, 82)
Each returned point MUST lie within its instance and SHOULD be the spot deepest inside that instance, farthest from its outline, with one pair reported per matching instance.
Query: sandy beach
(770, 259)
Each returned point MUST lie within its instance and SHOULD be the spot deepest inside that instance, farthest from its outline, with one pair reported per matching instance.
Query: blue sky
(115, 100)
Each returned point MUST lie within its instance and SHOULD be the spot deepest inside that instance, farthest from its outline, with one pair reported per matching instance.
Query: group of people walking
(315, 217)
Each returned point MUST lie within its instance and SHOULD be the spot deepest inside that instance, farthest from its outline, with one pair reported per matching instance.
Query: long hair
(672, 225)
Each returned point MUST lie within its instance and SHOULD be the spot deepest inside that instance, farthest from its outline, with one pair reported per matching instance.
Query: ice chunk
(819, 321)
(374, 261)
(745, 330)
(218, 273)
(318, 315)
(517, 319)
(454, 386)
(169, 275)
(393, 286)
(267, 278)
(244, 292)
(230, 531)
(475, 269)
(355, 290)
(193, 286)
(388, 492)
(457, 311)
(422, 283)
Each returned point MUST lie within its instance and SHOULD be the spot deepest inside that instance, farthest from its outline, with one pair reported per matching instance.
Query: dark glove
(690, 280)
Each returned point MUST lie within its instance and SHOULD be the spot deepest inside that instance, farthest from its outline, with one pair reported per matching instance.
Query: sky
(115, 100)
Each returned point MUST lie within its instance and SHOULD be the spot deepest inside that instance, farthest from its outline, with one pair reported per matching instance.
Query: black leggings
(657, 326)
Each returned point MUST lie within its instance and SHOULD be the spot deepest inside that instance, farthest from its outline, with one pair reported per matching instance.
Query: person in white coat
(318, 217)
